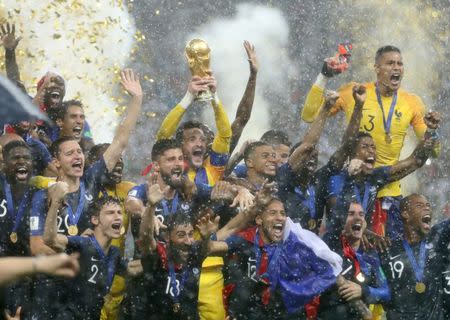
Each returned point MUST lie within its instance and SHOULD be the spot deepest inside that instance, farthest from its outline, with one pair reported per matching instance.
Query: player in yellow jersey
(114, 187)
(203, 168)
(388, 112)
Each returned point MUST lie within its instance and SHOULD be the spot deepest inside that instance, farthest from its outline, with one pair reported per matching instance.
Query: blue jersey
(374, 284)
(97, 271)
(346, 189)
(305, 206)
(406, 303)
(40, 154)
(240, 171)
(14, 218)
(91, 182)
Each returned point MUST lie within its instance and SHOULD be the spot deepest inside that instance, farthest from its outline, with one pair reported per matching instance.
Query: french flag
(305, 268)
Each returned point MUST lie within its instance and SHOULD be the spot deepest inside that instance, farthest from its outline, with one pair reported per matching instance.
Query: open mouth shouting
(277, 232)
(369, 163)
(116, 227)
(77, 165)
(395, 79)
(21, 173)
(77, 130)
(197, 156)
(426, 222)
(176, 177)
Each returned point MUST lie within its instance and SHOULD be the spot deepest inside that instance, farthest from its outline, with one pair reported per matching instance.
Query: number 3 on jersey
(370, 125)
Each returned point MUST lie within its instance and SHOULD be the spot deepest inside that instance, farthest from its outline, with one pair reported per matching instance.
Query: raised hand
(264, 195)
(58, 191)
(432, 120)
(211, 83)
(154, 192)
(222, 190)
(244, 199)
(7, 36)
(197, 85)
(355, 167)
(330, 98)
(359, 94)
(251, 54)
(206, 226)
(130, 82)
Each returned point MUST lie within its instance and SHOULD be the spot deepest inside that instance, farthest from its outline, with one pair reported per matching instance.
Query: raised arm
(57, 194)
(10, 42)
(172, 120)
(14, 268)
(297, 158)
(221, 143)
(244, 109)
(147, 242)
(420, 154)
(348, 140)
(130, 82)
(314, 100)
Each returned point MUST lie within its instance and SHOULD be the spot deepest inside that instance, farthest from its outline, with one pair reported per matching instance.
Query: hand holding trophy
(197, 53)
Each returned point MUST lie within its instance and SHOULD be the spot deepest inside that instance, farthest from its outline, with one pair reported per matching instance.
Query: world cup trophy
(197, 53)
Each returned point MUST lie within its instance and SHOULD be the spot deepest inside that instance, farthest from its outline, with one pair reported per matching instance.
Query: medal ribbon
(386, 122)
(10, 204)
(73, 218)
(111, 267)
(201, 176)
(418, 268)
(173, 282)
(357, 192)
(309, 200)
(262, 265)
(350, 253)
(173, 207)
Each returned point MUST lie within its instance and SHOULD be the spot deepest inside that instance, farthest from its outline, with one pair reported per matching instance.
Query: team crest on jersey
(88, 197)
(185, 206)
(398, 115)
(195, 271)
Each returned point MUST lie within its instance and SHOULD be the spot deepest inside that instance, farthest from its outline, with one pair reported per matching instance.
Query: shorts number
(251, 269)
(169, 289)
(94, 270)
(372, 125)
(446, 290)
(3, 208)
(59, 221)
(396, 269)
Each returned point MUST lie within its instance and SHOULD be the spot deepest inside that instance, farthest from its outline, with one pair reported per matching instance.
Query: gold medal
(387, 138)
(13, 237)
(73, 230)
(176, 307)
(360, 277)
(420, 287)
(312, 224)
(122, 230)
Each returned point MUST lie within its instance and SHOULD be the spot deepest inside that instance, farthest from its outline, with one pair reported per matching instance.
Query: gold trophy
(198, 57)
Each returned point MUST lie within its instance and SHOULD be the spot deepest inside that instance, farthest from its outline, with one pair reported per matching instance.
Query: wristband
(187, 100)
(321, 81)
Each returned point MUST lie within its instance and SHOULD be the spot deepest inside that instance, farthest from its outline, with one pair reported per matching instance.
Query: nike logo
(93, 259)
(392, 258)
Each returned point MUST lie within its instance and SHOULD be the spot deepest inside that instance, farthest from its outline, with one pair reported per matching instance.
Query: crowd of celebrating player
(219, 233)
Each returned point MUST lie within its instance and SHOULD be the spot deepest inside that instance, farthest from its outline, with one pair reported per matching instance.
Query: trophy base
(204, 96)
